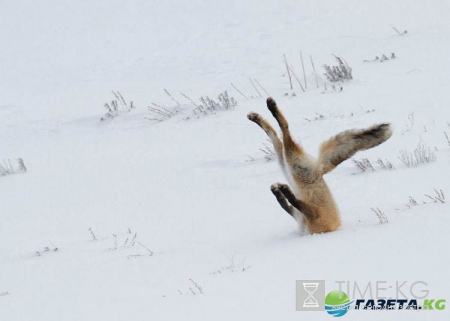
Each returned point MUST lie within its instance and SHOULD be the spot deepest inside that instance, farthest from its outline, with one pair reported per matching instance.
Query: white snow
(222, 246)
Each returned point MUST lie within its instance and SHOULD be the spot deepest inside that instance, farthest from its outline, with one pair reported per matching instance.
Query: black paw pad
(272, 105)
(253, 117)
(284, 188)
(274, 188)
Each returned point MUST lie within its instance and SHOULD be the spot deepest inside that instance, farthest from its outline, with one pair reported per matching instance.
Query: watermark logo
(366, 297)
(310, 301)
(337, 303)
(310, 295)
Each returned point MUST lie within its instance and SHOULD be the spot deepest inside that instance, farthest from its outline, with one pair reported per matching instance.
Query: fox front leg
(291, 149)
(282, 200)
(306, 209)
(276, 141)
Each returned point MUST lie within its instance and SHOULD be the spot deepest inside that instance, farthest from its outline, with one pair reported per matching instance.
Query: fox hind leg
(308, 210)
(282, 200)
(276, 141)
(292, 211)
(290, 146)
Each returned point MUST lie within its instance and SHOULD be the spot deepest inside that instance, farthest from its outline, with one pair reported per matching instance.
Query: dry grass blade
(239, 91)
(288, 72)
(381, 216)
(261, 87)
(255, 87)
(295, 76)
(440, 197)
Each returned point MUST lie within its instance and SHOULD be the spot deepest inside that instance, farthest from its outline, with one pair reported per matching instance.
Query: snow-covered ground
(185, 224)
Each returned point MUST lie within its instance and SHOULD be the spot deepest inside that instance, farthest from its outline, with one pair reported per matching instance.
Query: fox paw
(276, 191)
(272, 105)
(286, 190)
(254, 117)
(275, 188)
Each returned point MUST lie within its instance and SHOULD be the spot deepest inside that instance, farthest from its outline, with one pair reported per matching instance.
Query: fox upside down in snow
(316, 208)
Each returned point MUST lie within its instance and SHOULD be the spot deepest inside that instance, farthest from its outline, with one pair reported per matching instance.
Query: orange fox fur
(314, 204)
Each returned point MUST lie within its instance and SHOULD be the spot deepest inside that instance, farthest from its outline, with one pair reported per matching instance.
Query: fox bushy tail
(344, 145)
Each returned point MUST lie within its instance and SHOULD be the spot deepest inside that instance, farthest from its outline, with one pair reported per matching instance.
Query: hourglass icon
(310, 301)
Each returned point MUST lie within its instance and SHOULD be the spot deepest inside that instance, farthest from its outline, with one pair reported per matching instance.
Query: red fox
(312, 202)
